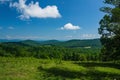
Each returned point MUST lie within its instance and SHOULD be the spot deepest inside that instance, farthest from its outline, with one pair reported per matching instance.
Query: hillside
(66, 50)
(30, 42)
(82, 43)
(69, 43)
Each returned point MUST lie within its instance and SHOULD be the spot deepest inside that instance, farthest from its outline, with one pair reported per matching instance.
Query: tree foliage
(110, 30)
(12, 49)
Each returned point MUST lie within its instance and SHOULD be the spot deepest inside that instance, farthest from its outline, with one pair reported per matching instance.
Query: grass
(41, 69)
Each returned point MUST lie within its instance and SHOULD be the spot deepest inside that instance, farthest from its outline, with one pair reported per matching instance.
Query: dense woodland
(51, 50)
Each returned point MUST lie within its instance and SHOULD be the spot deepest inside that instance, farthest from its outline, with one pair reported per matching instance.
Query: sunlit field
(44, 69)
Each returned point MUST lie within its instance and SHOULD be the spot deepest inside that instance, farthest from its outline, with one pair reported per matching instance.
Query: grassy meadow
(12, 68)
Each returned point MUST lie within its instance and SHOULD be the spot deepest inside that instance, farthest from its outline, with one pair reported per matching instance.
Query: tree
(110, 30)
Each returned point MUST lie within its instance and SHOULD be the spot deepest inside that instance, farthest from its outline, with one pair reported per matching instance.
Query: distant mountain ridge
(50, 42)
(70, 43)
(83, 43)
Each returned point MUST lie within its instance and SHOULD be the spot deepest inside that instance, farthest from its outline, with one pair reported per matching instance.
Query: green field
(44, 69)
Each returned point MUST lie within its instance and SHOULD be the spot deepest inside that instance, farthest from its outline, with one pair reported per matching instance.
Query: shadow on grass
(100, 64)
(89, 74)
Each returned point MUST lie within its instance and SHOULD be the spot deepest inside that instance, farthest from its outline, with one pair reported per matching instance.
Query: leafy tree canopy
(110, 30)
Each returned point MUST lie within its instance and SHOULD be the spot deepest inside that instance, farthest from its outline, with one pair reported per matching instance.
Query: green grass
(41, 69)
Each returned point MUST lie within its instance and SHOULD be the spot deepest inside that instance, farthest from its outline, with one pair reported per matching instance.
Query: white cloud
(11, 27)
(89, 36)
(34, 10)
(69, 26)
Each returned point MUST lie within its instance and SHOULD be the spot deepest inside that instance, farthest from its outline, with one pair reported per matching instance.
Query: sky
(50, 19)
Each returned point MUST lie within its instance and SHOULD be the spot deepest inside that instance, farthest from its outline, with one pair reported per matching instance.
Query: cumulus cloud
(11, 27)
(70, 26)
(34, 10)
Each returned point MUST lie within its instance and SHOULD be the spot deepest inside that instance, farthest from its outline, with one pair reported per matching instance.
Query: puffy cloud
(11, 27)
(69, 26)
(34, 10)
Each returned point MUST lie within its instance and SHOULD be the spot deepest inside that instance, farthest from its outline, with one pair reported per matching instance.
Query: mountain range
(70, 43)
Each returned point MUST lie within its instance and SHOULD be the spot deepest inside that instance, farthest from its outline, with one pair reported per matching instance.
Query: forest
(65, 50)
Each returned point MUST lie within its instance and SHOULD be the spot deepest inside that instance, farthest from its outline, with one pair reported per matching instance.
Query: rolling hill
(70, 43)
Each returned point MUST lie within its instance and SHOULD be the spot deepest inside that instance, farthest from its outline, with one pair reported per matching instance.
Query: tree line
(49, 52)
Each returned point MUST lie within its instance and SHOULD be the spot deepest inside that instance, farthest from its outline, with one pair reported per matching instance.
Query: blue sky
(50, 19)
